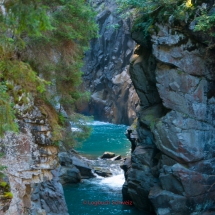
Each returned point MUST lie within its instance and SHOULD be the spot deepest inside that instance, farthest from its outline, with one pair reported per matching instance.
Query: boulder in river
(83, 166)
(73, 165)
(108, 155)
(69, 175)
(102, 172)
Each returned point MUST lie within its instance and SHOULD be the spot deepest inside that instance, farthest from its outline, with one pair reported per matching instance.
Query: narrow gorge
(105, 70)
(150, 74)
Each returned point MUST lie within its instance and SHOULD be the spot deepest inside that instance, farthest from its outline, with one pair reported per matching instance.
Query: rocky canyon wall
(171, 169)
(113, 97)
(32, 161)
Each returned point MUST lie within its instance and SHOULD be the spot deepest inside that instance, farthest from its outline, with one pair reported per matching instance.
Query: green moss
(179, 72)
(9, 86)
(151, 120)
(19, 92)
(3, 184)
(102, 6)
(5, 189)
(159, 123)
(8, 195)
(134, 124)
(16, 99)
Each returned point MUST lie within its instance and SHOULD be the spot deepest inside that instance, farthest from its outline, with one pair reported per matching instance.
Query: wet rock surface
(102, 172)
(106, 75)
(171, 170)
(117, 157)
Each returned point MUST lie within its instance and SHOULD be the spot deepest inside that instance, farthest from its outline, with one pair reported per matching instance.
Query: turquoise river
(101, 195)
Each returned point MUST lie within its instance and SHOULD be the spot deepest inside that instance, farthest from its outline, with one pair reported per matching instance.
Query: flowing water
(101, 195)
(105, 137)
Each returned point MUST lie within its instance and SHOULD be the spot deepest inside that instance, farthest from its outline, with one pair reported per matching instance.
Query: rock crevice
(175, 175)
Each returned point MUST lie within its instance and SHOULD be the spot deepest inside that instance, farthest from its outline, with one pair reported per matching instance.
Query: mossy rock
(152, 115)
(134, 125)
(16, 99)
(8, 195)
(3, 184)
(9, 86)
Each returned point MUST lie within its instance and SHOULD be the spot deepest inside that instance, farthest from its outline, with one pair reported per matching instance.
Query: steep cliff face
(113, 97)
(171, 170)
(31, 160)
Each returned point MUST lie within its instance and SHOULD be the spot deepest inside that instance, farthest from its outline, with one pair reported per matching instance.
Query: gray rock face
(48, 196)
(172, 164)
(106, 76)
(30, 156)
(141, 170)
(142, 73)
(69, 175)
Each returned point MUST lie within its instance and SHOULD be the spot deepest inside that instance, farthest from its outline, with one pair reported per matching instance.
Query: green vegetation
(151, 120)
(147, 13)
(5, 191)
(8, 195)
(134, 125)
(42, 44)
(113, 26)
(4, 186)
(205, 22)
(79, 130)
(7, 114)
(58, 53)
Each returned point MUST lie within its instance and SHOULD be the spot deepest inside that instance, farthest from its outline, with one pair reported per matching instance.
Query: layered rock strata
(113, 97)
(171, 170)
(31, 159)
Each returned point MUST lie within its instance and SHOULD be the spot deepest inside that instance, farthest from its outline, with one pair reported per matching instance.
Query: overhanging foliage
(42, 44)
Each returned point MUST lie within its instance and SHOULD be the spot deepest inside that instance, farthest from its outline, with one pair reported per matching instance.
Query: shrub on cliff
(41, 46)
(147, 13)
